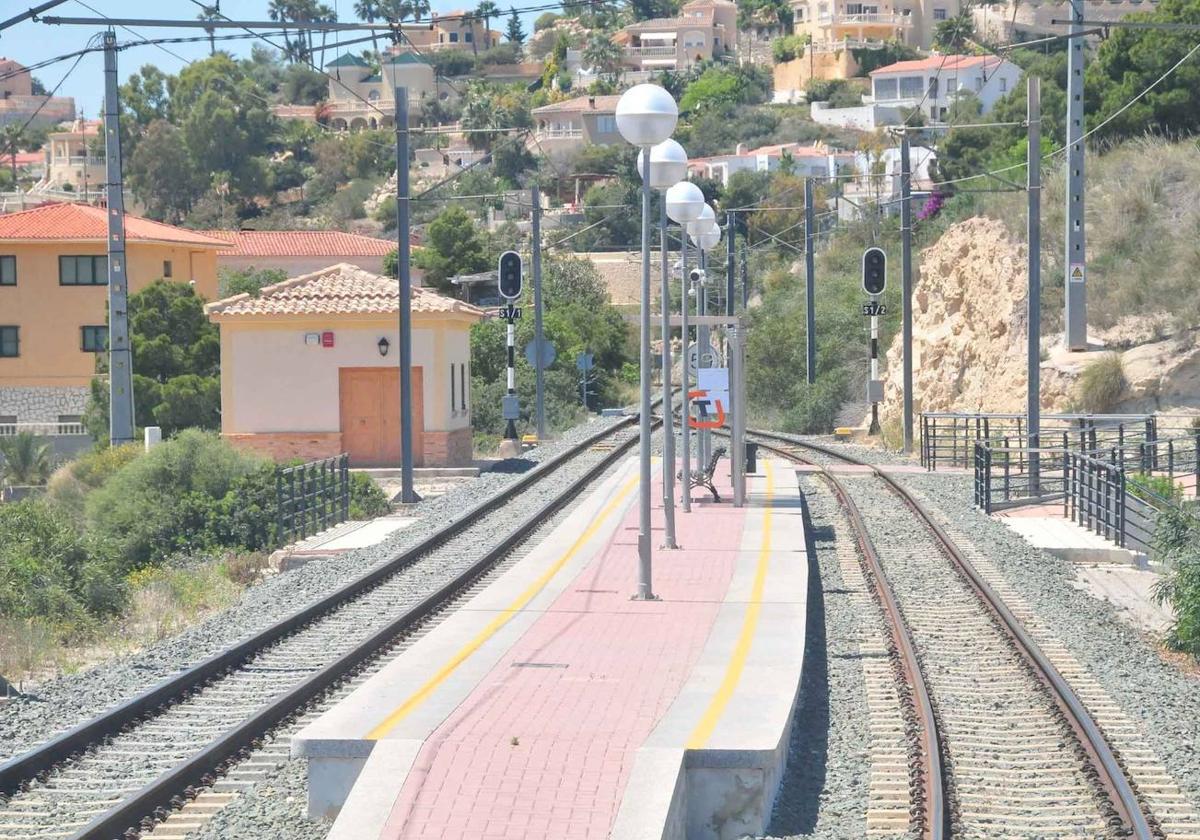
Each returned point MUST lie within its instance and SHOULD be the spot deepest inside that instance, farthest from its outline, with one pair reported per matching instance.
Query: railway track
(1006, 745)
(146, 758)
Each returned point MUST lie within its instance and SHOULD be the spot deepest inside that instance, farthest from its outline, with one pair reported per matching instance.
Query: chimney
(592, 102)
(741, 149)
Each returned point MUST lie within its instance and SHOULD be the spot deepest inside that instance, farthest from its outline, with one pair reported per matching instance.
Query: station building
(310, 368)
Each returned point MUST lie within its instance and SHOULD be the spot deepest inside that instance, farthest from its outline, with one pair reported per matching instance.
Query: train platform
(552, 705)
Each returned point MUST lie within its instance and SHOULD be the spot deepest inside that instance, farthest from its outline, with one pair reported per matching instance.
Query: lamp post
(685, 203)
(646, 116)
(706, 237)
(668, 164)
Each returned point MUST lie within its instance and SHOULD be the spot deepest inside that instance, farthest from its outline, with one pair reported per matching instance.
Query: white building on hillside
(816, 160)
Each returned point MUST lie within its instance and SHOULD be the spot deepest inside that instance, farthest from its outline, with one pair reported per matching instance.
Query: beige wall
(792, 77)
(50, 315)
(271, 381)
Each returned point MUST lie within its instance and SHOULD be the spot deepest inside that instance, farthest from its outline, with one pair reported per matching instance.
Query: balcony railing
(559, 133)
(46, 429)
(650, 52)
(840, 19)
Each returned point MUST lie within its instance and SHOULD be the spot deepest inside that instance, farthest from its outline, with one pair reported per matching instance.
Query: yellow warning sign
(1076, 272)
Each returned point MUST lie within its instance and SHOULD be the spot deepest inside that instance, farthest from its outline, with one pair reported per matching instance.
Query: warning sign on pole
(1077, 273)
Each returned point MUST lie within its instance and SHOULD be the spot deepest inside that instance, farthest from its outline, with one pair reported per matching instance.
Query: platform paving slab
(541, 714)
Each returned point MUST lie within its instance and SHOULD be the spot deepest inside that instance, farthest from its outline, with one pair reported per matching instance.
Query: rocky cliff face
(970, 328)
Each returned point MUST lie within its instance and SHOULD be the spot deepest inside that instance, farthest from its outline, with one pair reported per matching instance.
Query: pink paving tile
(597, 673)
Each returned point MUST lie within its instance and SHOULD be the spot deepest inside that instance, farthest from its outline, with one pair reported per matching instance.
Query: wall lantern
(384, 344)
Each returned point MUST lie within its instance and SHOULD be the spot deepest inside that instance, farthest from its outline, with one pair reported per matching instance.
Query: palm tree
(602, 55)
(25, 460)
(12, 137)
(419, 8)
(370, 11)
(208, 13)
(485, 11)
(467, 22)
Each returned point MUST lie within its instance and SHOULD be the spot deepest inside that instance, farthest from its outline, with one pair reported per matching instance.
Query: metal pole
(729, 265)
(685, 474)
(120, 359)
(407, 494)
(510, 343)
(737, 373)
(745, 278)
(1034, 189)
(874, 427)
(539, 371)
(644, 589)
(668, 426)
(809, 292)
(703, 341)
(1075, 283)
(906, 283)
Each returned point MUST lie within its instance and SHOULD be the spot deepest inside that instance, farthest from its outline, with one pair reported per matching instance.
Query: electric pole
(729, 262)
(535, 229)
(120, 358)
(906, 285)
(1075, 263)
(1034, 189)
(809, 292)
(407, 494)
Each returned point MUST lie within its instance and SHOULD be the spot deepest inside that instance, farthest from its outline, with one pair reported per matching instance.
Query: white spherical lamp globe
(685, 202)
(703, 222)
(709, 239)
(646, 115)
(668, 164)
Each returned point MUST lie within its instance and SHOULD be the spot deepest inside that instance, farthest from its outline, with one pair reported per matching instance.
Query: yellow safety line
(741, 650)
(499, 621)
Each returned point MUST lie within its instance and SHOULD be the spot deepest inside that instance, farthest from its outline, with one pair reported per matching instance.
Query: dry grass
(1101, 384)
(1143, 231)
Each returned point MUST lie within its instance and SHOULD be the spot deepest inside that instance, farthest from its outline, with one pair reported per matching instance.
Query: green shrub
(1151, 488)
(48, 569)
(178, 497)
(1101, 383)
(789, 47)
(1177, 545)
(366, 499)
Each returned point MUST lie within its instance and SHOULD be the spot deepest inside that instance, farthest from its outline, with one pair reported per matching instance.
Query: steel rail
(1109, 771)
(46, 756)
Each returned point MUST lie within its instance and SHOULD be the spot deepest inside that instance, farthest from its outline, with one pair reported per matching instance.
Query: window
(885, 89)
(10, 342)
(83, 271)
(167, 268)
(8, 271)
(1003, 84)
(453, 37)
(70, 424)
(854, 8)
(93, 339)
(462, 386)
(8, 424)
(453, 394)
(606, 124)
(939, 14)
(933, 87)
(911, 87)
(978, 83)
(467, 36)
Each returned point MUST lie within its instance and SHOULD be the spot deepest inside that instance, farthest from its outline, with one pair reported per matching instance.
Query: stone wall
(449, 449)
(41, 404)
(286, 446)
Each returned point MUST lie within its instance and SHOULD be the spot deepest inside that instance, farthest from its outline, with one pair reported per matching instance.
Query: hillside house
(816, 160)
(703, 30)
(298, 252)
(838, 24)
(19, 105)
(360, 98)
(564, 126)
(75, 160)
(54, 301)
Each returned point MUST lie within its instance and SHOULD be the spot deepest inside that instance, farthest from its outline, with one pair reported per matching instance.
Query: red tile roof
(604, 105)
(300, 243)
(946, 63)
(341, 289)
(83, 222)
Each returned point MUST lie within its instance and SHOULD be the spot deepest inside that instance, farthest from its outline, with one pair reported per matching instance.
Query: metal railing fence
(948, 438)
(1002, 479)
(311, 497)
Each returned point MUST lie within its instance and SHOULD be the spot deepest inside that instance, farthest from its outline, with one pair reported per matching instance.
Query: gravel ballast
(59, 704)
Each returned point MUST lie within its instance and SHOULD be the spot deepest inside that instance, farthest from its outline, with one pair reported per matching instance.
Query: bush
(789, 48)
(1152, 488)
(366, 499)
(1177, 545)
(71, 483)
(189, 493)
(1101, 383)
(48, 569)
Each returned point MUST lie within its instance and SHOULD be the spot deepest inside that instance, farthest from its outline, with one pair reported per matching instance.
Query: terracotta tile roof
(604, 105)
(946, 63)
(82, 222)
(300, 243)
(341, 289)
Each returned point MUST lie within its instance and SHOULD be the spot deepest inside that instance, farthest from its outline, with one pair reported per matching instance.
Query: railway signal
(874, 271)
(509, 271)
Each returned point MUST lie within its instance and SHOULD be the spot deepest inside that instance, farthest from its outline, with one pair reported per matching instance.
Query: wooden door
(369, 400)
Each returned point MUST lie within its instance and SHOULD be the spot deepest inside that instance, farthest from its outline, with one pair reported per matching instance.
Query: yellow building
(310, 368)
(54, 304)
(840, 24)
